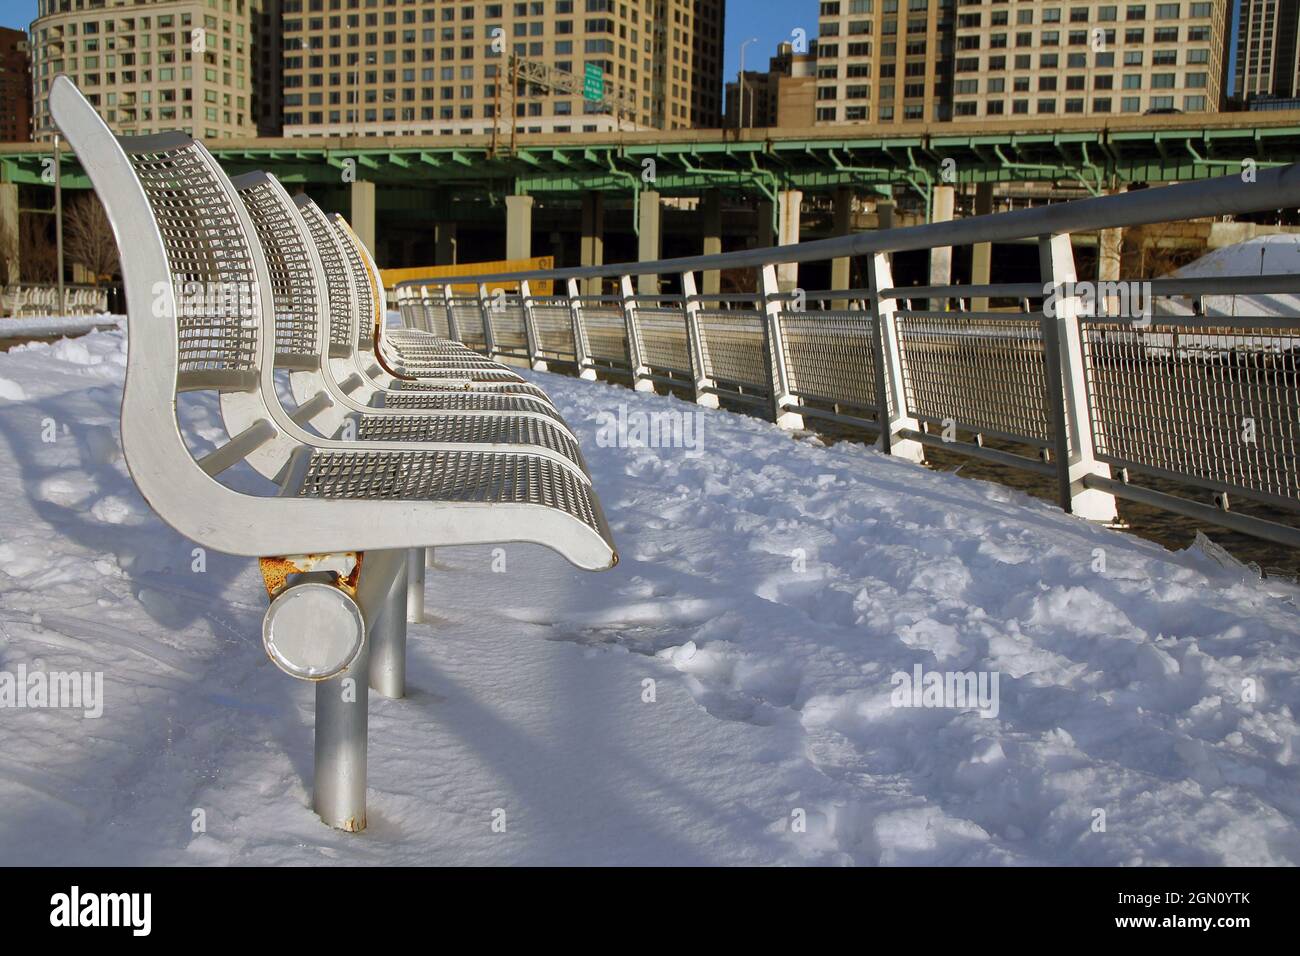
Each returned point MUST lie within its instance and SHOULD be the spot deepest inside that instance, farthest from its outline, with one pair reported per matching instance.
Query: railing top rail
(1275, 188)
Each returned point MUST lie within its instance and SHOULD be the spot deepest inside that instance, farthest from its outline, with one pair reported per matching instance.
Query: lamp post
(740, 112)
(365, 60)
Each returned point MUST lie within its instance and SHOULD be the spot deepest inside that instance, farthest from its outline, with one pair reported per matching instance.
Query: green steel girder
(692, 162)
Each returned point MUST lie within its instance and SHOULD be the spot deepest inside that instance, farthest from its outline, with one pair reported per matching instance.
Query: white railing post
(1056, 260)
(640, 373)
(485, 308)
(581, 347)
(531, 339)
(893, 415)
(453, 327)
(695, 345)
(770, 302)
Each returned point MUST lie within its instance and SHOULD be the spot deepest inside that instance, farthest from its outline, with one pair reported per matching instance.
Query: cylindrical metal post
(415, 585)
(339, 792)
(388, 643)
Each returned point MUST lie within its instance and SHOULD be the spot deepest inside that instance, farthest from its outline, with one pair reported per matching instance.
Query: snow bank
(728, 694)
(38, 326)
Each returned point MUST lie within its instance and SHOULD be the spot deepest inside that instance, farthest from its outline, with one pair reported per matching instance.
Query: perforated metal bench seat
(457, 478)
(480, 429)
(485, 388)
(465, 401)
(427, 372)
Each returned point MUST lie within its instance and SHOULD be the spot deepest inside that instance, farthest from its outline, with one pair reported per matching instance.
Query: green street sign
(593, 83)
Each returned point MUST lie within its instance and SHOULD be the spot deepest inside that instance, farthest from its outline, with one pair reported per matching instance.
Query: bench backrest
(297, 279)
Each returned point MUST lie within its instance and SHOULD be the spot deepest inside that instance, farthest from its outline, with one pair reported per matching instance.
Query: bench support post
(388, 640)
(342, 722)
(415, 586)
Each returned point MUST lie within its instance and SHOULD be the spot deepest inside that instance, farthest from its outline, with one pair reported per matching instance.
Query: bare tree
(88, 236)
(36, 248)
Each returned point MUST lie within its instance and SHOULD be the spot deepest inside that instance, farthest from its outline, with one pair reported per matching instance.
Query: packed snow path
(769, 587)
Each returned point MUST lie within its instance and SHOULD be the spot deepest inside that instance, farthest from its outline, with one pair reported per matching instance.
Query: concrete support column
(711, 223)
(592, 249)
(10, 266)
(842, 225)
(787, 234)
(362, 217)
(444, 243)
(981, 260)
(942, 203)
(884, 213)
(519, 227)
(650, 242)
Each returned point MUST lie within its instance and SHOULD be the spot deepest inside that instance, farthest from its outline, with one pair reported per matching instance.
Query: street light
(740, 112)
(366, 60)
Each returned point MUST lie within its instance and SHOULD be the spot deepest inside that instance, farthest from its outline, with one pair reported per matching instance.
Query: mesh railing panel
(434, 312)
(293, 280)
(1219, 406)
(469, 320)
(663, 339)
(338, 281)
(984, 373)
(217, 297)
(606, 333)
(506, 314)
(554, 326)
(733, 346)
(831, 356)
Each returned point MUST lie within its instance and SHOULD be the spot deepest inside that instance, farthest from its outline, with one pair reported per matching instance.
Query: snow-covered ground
(770, 588)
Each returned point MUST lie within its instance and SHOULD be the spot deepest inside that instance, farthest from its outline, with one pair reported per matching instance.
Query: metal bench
(304, 301)
(338, 519)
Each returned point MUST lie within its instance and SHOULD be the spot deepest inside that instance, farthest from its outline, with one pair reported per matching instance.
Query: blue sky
(770, 20)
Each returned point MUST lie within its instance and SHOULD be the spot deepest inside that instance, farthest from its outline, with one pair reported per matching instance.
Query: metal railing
(1071, 381)
(25, 300)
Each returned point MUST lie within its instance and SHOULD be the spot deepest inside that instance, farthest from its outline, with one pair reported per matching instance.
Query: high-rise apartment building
(384, 67)
(885, 61)
(152, 65)
(1268, 50)
(1088, 57)
(15, 87)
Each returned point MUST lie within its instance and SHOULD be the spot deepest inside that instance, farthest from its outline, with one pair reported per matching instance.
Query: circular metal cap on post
(313, 631)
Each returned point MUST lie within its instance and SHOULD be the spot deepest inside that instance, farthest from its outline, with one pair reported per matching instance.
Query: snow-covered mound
(1263, 255)
(725, 695)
